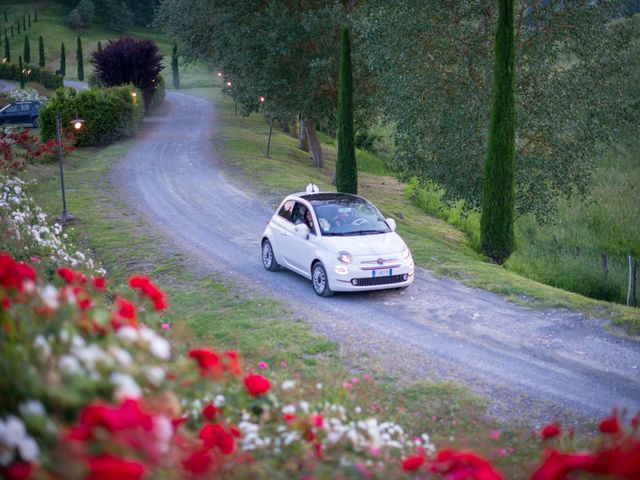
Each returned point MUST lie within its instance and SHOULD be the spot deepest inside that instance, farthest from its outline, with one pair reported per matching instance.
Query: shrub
(159, 93)
(44, 77)
(110, 114)
(129, 61)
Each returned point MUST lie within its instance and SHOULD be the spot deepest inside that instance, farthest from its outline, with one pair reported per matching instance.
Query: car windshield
(342, 215)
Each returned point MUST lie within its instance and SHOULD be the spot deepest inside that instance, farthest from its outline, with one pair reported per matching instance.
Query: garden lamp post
(65, 218)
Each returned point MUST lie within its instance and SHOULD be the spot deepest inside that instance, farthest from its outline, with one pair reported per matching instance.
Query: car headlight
(345, 257)
(405, 252)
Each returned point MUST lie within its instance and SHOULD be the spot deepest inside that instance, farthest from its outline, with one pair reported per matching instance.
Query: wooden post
(634, 283)
(630, 261)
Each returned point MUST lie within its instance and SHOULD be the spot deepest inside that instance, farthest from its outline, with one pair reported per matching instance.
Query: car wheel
(268, 258)
(320, 280)
(35, 122)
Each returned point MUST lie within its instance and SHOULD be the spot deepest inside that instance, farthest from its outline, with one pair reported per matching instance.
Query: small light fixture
(219, 74)
(228, 84)
(261, 99)
(77, 123)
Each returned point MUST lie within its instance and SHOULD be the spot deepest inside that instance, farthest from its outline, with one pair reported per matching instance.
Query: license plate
(387, 272)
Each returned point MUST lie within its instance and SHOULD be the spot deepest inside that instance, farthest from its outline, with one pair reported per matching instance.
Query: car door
(303, 248)
(283, 230)
(24, 113)
(8, 115)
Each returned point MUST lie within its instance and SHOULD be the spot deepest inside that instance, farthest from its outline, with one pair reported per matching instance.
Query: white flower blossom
(126, 386)
(288, 384)
(32, 407)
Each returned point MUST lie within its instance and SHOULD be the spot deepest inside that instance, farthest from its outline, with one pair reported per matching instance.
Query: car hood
(378, 244)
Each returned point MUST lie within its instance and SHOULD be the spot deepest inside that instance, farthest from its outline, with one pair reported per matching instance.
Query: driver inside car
(342, 218)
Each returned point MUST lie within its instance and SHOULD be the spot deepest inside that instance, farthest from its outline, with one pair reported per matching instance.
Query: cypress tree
(27, 50)
(5, 17)
(21, 72)
(24, 23)
(18, 27)
(11, 31)
(29, 20)
(346, 170)
(63, 61)
(99, 46)
(41, 61)
(80, 60)
(7, 48)
(174, 67)
(496, 223)
(35, 15)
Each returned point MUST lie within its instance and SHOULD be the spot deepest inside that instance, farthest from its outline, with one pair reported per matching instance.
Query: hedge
(109, 114)
(47, 78)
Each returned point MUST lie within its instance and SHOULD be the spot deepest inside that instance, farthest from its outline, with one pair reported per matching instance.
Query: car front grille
(372, 281)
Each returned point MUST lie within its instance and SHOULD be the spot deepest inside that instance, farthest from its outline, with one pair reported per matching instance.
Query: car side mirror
(302, 231)
(392, 224)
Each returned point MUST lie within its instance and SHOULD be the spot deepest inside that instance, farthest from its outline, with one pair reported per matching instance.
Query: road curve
(548, 364)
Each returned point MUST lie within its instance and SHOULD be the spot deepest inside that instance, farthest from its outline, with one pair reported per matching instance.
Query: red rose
(108, 467)
(208, 361)
(610, 425)
(198, 462)
(18, 471)
(412, 463)
(71, 276)
(549, 431)
(14, 274)
(213, 435)
(453, 464)
(146, 286)
(256, 384)
(99, 283)
(209, 412)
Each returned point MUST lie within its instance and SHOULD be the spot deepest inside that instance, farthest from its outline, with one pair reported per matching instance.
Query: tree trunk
(314, 143)
(634, 283)
(284, 125)
(294, 128)
(302, 137)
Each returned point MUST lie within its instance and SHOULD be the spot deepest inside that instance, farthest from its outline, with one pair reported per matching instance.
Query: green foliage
(27, 50)
(496, 223)
(46, 78)
(430, 198)
(63, 61)
(434, 75)
(82, 15)
(79, 60)
(158, 95)
(346, 170)
(174, 67)
(110, 114)
(41, 59)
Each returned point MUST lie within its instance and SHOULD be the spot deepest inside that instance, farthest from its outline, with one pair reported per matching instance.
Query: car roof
(325, 196)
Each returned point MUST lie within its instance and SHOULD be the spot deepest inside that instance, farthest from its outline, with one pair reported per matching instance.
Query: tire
(35, 122)
(268, 258)
(320, 280)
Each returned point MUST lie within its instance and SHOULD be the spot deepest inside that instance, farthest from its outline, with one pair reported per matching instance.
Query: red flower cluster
(214, 439)
(146, 286)
(125, 314)
(71, 277)
(549, 431)
(13, 275)
(463, 465)
(211, 363)
(126, 416)
(108, 467)
(256, 384)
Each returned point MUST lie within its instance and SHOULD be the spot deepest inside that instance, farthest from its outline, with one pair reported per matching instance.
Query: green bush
(429, 197)
(46, 78)
(109, 114)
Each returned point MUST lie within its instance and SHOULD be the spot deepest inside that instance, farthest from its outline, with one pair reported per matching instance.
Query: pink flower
(263, 365)
(355, 380)
(283, 364)
(494, 435)
(346, 385)
(366, 377)
(165, 326)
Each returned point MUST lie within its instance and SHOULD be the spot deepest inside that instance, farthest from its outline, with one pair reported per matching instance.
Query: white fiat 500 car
(339, 241)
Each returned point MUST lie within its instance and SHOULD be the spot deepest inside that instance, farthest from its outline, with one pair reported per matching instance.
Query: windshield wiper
(365, 232)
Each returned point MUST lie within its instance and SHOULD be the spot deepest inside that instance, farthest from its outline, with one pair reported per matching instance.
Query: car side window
(25, 107)
(12, 109)
(286, 210)
(298, 217)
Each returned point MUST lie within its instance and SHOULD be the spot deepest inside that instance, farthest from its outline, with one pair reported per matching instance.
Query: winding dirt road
(546, 364)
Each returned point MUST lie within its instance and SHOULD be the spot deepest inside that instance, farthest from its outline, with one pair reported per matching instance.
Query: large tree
(41, 60)
(128, 60)
(346, 170)
(435, 89)
(496, 224)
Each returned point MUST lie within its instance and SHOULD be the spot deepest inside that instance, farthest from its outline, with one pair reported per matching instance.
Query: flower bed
(90, 387)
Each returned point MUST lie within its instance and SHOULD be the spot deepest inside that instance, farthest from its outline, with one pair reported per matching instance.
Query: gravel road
(543, 364)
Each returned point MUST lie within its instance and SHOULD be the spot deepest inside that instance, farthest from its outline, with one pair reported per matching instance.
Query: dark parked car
(20, 112)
